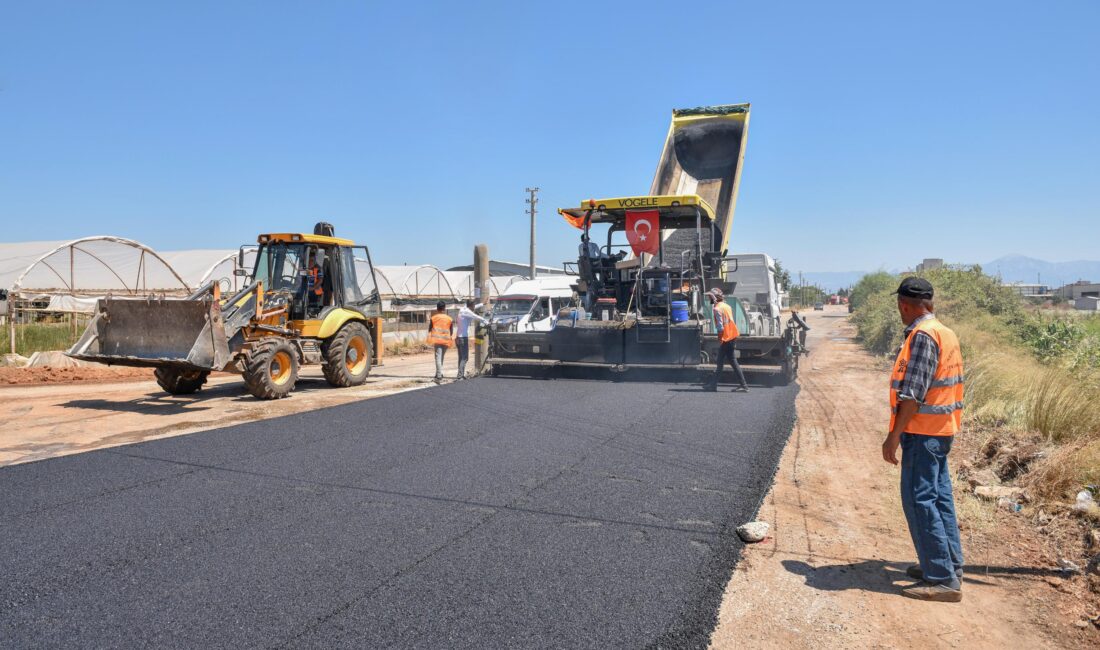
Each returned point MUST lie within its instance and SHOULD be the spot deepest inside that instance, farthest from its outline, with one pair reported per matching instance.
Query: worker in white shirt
(466, 317)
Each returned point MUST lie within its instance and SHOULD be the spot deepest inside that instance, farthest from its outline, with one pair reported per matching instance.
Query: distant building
(1087, 303)
(929, 263)
(1027, 290)
(1079, 289)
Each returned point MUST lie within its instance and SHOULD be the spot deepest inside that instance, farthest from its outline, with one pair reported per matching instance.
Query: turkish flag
(643, 231)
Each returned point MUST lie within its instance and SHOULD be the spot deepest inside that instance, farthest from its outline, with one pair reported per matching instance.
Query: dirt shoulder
(84, 374)
(830, 574)
(55, 417)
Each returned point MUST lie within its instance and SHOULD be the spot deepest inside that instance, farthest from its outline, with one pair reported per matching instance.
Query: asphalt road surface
(483, 514)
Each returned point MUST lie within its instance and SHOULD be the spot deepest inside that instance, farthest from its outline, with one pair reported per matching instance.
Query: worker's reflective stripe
(939, 409)
(934, 409)
(939, 383)
(946, 381)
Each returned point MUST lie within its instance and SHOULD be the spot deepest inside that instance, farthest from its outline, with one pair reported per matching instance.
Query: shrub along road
(489, 513)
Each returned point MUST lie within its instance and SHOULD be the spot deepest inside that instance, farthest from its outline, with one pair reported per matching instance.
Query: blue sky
(881, 133)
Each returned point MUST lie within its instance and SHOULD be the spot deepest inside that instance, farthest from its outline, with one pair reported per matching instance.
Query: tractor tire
(348, 356)
(180, 382)
(271, 369)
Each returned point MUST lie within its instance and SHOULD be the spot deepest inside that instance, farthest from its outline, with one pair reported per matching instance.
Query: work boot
(939, 593)
(710, 387)
(914, 572)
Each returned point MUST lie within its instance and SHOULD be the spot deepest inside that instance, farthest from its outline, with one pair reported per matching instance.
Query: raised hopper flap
(703, 154)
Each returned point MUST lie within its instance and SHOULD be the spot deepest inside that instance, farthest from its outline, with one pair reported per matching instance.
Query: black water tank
(323, 228)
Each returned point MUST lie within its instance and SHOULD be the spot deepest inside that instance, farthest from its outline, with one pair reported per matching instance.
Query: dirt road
(830, 574)
(57, 419)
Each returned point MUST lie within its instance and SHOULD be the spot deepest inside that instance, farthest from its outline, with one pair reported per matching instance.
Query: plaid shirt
(924, 357)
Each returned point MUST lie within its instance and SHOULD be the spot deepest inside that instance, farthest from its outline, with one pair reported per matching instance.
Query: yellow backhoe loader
(312, 298)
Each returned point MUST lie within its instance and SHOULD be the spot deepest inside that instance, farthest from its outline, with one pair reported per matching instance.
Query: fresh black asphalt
(483, 514)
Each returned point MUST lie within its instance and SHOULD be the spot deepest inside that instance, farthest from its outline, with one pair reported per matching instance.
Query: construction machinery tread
(336, 367)
(271, 368)
(180, 382)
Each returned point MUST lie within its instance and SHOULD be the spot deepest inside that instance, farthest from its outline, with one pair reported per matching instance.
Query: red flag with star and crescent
(643, 231)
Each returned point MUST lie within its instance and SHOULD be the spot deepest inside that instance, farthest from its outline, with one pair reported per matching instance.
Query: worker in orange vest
(315, 283)
(727, 335)
(440, 336)
(926, 402)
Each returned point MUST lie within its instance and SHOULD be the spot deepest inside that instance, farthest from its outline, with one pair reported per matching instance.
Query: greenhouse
(51, 287)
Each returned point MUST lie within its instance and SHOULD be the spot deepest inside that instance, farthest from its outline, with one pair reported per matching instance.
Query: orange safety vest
(729, 328)
(941, 412)
(440, 332)
(315, 275)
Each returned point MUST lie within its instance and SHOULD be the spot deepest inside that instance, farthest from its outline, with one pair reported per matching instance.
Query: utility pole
(532, 201)
(481, 294)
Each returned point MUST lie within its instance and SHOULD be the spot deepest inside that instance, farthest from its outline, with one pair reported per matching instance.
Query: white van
(532, 305)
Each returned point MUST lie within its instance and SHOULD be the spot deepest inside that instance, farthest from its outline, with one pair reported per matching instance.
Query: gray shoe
(939, 593)
(914, 572)
(740, 389)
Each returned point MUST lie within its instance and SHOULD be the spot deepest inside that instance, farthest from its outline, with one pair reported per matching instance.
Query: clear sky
(881, 132)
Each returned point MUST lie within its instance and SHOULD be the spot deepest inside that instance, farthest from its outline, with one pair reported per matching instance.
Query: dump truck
(648, 311)
(310, 299)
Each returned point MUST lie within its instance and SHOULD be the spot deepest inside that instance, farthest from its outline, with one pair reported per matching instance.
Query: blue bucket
(679, 311)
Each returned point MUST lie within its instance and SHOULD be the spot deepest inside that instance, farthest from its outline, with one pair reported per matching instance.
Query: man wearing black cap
(926, 400)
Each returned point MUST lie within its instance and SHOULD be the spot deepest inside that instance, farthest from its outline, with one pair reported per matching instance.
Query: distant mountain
(1010, 268)
(1018, 268)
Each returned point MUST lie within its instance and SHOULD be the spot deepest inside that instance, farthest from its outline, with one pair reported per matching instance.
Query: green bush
(962, 293)
(870, 284)
(878, 323)
(1049, 337)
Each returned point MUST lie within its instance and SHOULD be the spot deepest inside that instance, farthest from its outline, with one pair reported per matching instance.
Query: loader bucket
(187, 334)
(703, 154)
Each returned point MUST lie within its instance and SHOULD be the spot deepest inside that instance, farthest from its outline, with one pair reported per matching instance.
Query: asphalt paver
(481, 514)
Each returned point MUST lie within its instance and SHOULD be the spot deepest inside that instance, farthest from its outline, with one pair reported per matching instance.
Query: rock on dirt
(752, 532)
(14, 361)
(997, 492)
(58, 359)
(1014, 462)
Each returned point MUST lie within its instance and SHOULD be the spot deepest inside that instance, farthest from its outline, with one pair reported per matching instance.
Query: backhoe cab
(312, 298)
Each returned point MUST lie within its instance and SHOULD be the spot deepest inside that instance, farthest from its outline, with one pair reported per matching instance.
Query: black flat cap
(913, 287)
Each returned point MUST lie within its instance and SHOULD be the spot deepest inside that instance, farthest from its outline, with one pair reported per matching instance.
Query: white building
(1029, 290)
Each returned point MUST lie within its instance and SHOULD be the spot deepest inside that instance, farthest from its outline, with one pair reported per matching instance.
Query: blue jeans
(440, 350)
(462, 343)
(929, 506)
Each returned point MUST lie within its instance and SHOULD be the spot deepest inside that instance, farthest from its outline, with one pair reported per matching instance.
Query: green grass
(41, 337)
